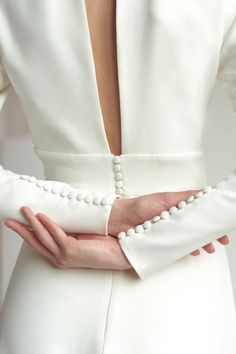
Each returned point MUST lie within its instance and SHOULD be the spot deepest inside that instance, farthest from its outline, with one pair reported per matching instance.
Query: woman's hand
(127, 213)
(69, 250)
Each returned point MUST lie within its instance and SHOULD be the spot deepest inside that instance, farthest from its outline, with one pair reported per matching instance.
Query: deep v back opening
(113, 126)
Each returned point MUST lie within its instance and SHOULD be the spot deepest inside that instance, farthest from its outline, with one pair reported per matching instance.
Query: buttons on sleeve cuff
(147, 224)
(65, 191)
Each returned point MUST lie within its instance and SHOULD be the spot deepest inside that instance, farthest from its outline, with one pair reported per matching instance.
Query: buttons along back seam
(64, 192)
(147, 224)
(119, 185)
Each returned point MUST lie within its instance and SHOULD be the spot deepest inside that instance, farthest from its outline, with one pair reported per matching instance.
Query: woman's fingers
(195, 253)
(209, 248)
(58, 234)
(29, 237)
(224, 240)
(41, 233)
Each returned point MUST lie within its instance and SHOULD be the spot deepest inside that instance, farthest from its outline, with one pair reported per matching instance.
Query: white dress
(169, 55)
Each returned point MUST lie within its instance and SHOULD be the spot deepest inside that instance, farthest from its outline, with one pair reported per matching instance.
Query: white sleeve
(75, 210)
(200, 219)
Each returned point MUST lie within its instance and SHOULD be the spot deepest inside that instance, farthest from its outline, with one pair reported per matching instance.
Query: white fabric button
(24, 176)
(116, 168)
(55, 189)
(165, 214)
(182, 204)
(64, 193)
(118, 176)
(80, 196)
(139, 229)
(119, 184)
(40, 183)
(190, 199)
(88, 198)
(199, 194)
(130, 232)
(32, 179)
(47, 187)
(173, 210)
(121, 235)
(147, 224)
(97, 200)
(156, 218)
(104, 201)
(71, 195)
(116, 159)
(119, 190)
(206, 189)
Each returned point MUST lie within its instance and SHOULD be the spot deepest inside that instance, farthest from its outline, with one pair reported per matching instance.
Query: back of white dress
(168, 59)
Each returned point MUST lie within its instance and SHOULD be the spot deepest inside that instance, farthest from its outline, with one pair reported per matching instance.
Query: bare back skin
(101, 20)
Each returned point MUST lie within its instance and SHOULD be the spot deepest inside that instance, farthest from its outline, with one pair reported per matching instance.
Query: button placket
(119, 185)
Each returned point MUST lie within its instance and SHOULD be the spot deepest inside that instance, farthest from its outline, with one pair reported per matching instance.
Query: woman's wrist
(118, 219)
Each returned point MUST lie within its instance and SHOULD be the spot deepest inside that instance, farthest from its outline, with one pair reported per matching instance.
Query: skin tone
(101, 24)
(91, 250)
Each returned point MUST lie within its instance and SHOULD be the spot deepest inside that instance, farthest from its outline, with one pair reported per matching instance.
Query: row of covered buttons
(118, 175)
(164, 214)
(67, 191)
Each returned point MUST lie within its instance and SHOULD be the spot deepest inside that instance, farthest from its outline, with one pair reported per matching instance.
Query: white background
(16, 154)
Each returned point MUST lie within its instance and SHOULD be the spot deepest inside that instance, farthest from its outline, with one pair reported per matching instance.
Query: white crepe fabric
(169, 55)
